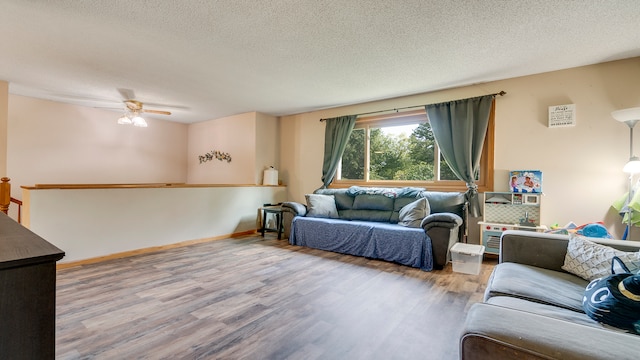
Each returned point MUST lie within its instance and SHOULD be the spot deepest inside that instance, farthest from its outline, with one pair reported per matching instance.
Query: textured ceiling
(209, 59)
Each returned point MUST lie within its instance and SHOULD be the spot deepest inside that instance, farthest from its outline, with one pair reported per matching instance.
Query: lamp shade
(625, 115)
(123, 120)
(139, 121)
(633, 166)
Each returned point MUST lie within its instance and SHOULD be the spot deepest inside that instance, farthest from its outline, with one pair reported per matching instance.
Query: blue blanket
(391, 242)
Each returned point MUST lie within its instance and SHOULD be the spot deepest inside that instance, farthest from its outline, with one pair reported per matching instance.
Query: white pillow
(411, 215)
(591, 261)
(323, 206)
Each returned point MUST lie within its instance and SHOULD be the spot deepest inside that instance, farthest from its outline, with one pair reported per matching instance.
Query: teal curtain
(336, 136)
(459, 128)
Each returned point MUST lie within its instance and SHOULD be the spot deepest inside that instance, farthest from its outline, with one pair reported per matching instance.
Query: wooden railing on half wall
(6, 199)
(5, 194)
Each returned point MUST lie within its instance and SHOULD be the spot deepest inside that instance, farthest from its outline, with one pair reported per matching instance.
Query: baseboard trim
(125, 254)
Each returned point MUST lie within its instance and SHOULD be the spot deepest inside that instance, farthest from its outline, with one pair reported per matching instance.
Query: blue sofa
(366, 223)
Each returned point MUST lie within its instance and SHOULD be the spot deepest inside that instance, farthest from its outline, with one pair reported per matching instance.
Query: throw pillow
(411, 215)
(591, 261)
(615, 300)
(323, 206)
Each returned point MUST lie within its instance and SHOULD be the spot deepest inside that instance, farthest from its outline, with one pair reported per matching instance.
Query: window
(400, 150)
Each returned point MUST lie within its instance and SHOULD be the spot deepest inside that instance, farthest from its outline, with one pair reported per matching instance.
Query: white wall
(89, 223)
(51, 142)
(582, 165)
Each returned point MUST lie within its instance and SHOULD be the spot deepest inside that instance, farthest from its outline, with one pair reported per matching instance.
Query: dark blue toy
(615, 300)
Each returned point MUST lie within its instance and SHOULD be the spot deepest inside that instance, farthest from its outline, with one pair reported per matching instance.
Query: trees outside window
(394, 152)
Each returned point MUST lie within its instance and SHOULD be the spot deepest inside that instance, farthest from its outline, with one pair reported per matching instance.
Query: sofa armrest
(290, 210)
(443, 230)
(296, 208)
(494, 332)
(447, 220)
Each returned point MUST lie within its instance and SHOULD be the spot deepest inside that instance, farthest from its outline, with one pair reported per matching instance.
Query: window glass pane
(447, 174)
(445, 170)
(402, 153)
(353, 157)
(420, 154)
(386, 154)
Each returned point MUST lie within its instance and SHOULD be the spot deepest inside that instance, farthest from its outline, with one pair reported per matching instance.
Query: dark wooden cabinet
(27, 293)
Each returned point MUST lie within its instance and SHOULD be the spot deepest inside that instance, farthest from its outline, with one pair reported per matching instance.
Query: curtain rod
(501, 93)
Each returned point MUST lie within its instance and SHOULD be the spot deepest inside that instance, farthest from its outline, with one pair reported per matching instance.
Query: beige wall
(4, 116)
(267, 140)
(250, 139)
(51, 142)
(234, 135)
(581, 165)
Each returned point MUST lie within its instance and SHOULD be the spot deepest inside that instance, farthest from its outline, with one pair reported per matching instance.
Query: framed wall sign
(562, 115)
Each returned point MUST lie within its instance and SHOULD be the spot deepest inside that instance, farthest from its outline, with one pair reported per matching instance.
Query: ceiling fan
(134, 110)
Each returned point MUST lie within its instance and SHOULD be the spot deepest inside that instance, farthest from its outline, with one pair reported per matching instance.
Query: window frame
(484, 183)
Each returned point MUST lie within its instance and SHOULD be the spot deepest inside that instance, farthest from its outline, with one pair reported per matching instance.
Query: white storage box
(467, 258)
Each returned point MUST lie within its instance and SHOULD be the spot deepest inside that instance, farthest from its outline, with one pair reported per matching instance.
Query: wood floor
(260, 298)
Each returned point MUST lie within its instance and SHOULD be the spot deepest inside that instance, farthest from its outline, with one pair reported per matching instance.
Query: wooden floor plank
(260, 298)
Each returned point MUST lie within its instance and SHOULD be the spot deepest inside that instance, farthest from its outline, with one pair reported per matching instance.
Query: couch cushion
(536, 284)
(343, 199)
(321, 206)
(453, 202)
(495, 332)
(591, 261)
(402, 202)
(373, 202)
(398, 204)
(411, 215)
(544, 310)
(366, 215)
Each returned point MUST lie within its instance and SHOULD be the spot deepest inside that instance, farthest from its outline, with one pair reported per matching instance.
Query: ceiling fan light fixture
(139, 121)
(124, 120)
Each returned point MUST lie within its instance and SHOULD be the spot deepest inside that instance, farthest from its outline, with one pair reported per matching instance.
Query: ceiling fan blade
(126, 93)
(159, 112)
(167, 106)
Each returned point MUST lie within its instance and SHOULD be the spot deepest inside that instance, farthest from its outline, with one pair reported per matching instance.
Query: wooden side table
(276, 210)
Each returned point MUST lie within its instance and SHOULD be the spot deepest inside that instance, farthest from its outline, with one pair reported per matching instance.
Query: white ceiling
(205, 59)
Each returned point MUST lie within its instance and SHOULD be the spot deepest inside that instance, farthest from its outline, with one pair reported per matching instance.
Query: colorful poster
(525, 181)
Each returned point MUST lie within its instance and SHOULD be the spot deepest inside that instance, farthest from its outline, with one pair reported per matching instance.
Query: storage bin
(467, 258)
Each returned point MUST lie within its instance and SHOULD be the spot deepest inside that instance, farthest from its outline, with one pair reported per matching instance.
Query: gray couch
(532, 308)
(445, 225)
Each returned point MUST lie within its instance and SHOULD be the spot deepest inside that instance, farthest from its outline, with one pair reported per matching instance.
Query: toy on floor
(595, 230)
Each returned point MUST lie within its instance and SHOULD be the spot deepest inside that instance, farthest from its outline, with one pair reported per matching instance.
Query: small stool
(277, 211)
